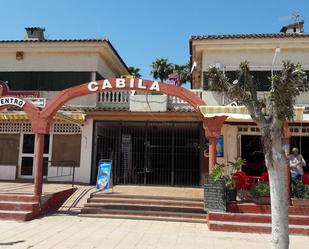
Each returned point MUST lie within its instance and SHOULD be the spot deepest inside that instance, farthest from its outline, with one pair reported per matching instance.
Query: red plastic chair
(265, 177)
(306, 178)
(243, 181)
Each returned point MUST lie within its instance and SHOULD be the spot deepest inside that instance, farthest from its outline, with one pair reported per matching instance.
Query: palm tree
(183, 71)
(161, 68)
(135, 72)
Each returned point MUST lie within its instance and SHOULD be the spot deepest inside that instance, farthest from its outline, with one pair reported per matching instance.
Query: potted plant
(260, 193)
(233, 167)
(225, 172)
(300, 193)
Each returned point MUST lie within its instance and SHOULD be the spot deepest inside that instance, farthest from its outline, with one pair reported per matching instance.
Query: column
(212, 152)
(212, 127)
(93, 76)
(38, 178)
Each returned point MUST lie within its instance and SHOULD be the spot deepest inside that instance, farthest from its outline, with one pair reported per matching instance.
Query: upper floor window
(45, 81)
(261, 79)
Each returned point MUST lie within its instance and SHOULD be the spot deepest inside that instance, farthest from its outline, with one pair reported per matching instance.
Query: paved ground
(63, 231)
(28, 187)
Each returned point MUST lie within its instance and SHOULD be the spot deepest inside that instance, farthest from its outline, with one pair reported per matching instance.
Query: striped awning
(61, 116)
(240, 113)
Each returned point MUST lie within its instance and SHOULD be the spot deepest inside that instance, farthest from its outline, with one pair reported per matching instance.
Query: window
(45, 81)
(261, 79)
(67, 148)
(9, 143)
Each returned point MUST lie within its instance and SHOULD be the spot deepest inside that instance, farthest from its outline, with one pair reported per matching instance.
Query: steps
(146, 207)
(18, 207)
(249, 217)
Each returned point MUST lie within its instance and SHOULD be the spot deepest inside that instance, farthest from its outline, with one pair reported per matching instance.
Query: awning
(61, 116)
(240, 113)
(71, 117)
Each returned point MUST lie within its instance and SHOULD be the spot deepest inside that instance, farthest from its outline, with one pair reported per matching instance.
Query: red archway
(41, 121)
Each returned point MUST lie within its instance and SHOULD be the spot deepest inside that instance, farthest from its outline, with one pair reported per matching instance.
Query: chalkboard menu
(214, 195)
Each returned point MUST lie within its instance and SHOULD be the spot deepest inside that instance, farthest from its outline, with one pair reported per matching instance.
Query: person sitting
(297, 163)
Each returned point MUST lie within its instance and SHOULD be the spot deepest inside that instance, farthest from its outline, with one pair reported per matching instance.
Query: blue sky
(143, 30)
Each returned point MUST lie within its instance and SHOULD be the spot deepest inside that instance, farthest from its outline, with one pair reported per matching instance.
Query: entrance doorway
(26, 157)
(150, 153)
(252, 152)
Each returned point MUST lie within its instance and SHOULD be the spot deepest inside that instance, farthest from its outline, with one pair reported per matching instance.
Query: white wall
(230, 143)
(88, 100)
(83, 173)
(60, 62)
(7, 172)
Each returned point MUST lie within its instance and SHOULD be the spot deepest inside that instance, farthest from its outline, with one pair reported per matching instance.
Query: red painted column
(212, 152)
(212, 127)
(38, 178)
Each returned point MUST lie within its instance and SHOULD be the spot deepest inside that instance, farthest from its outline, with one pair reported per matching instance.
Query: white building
(265, 52)
(40, 68)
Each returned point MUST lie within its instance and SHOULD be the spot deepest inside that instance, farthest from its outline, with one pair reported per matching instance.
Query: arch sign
(12, 101)
(123, 83)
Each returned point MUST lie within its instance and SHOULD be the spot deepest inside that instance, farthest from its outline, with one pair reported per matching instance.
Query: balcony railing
(115, 99)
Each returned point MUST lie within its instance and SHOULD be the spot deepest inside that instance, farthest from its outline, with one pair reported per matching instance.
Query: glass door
(26, 159)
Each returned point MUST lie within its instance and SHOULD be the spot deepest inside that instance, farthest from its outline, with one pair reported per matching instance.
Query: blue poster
(104, 173)
(220, 146)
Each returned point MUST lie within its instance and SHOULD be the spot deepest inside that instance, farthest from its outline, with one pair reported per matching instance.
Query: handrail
(61, 165)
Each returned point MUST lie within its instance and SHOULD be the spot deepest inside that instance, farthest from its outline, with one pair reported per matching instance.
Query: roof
(244, 36)
(249, 36)
(35, 28)
(55, 40)
(98, 40)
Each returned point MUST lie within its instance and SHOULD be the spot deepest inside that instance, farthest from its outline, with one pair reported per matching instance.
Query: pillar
(212, 127)
(39, 150)
(212, 152)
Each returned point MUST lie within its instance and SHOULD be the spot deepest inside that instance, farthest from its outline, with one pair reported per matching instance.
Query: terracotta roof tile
(250, 36)
(54, 41)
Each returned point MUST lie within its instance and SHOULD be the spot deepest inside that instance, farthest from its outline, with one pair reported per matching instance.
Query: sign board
(38, 102)
(123, 83)
(220, 146)
(214, 195)
(104, 174)
(12, 101)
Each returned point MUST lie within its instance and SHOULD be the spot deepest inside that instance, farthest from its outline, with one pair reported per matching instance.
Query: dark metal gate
(156, 153)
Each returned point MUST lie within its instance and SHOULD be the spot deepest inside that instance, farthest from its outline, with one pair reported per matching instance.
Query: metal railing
(60, 169)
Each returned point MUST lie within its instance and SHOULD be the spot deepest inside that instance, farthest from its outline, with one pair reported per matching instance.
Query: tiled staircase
(249, 217)
(18, 207)
(148, 207)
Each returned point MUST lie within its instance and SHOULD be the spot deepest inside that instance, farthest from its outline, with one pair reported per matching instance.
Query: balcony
(122, 99)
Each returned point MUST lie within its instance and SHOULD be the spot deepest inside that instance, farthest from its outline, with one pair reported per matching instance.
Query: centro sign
(123, 83)
(12, 101)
